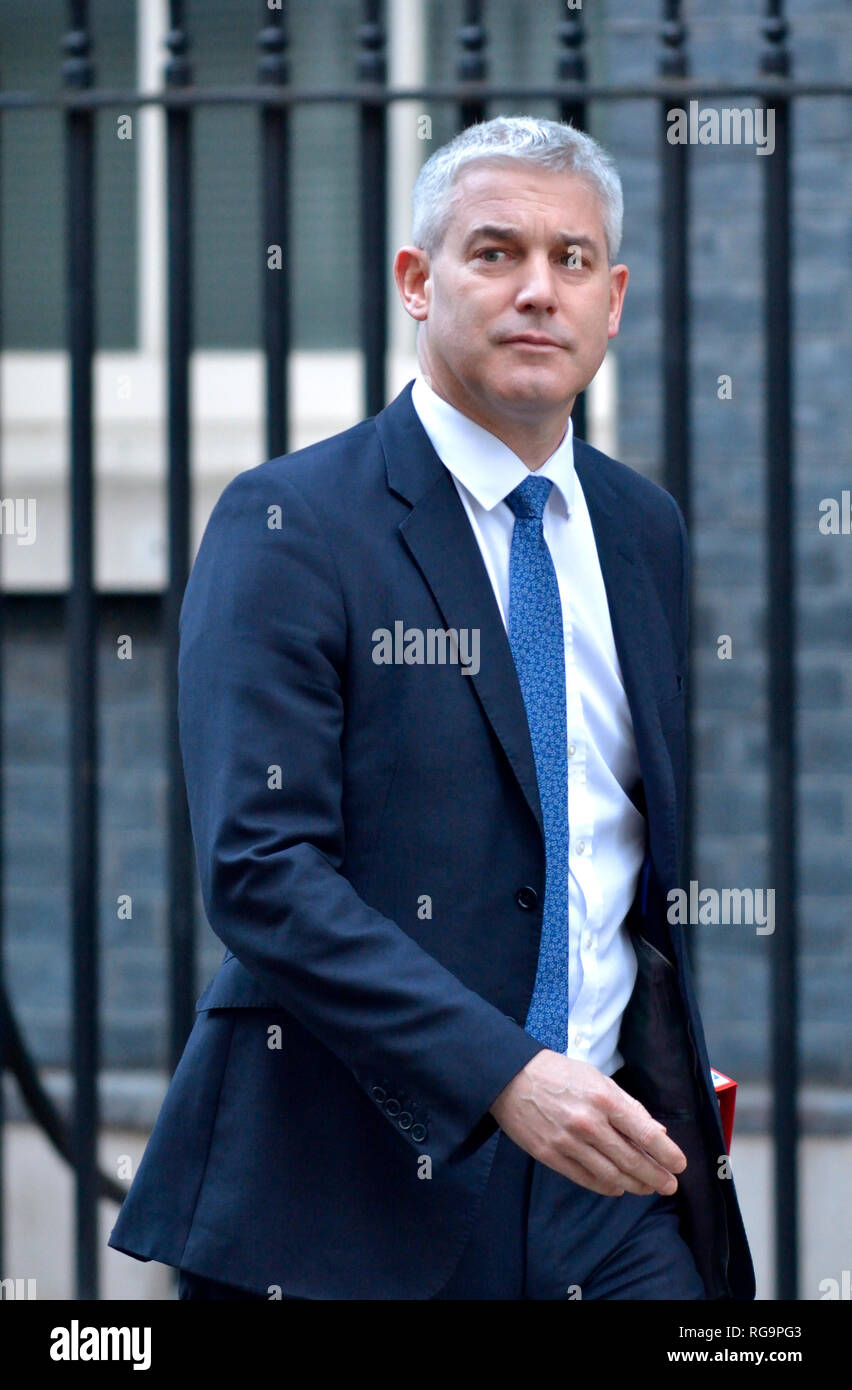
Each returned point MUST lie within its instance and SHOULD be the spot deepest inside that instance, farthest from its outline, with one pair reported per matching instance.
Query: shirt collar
(486, 466)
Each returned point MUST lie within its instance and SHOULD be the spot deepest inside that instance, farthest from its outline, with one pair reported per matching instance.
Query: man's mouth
(532, 340)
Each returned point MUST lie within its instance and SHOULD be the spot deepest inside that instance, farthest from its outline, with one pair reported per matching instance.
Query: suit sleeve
(263, 648)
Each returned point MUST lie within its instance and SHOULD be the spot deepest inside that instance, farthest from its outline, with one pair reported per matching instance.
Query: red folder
(726, 1095)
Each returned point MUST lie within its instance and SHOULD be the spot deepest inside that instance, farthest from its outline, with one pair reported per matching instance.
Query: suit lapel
(438, 535)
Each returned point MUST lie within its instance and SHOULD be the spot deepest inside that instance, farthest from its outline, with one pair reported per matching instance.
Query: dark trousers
(540, 1236)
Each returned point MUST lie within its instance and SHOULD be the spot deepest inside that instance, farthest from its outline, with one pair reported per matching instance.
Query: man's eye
(492, 251)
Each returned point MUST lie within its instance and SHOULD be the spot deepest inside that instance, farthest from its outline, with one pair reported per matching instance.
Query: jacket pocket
(232, 987)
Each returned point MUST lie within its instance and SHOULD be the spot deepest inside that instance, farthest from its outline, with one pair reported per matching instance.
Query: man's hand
(572, 1118)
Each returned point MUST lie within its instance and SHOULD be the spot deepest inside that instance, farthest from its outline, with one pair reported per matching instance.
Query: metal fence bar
(675, 273)
(181, 859)
(675, 269)
(275, 277)
(472, 67)
(4, 1031)
(373, 198)
(781, 638)
(452, 92)
(571, 67)
(82, 653)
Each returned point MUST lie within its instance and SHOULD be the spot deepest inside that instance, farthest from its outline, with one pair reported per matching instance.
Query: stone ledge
(132, 1100)
(129, 1099)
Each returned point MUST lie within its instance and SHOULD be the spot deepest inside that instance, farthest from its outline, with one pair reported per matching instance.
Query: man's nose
(538, 283)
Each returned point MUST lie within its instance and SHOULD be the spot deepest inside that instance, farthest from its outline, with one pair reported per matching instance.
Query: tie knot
(528, 499)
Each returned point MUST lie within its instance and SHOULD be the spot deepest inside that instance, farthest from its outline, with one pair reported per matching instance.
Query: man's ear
(411, 272)
(618, 278)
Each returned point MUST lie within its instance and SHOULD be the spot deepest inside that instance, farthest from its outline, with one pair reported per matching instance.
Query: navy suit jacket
(370, 847)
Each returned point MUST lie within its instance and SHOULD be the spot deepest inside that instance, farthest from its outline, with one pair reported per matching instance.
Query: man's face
(524, 254)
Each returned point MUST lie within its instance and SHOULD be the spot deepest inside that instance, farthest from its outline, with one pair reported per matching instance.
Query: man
(431, 713)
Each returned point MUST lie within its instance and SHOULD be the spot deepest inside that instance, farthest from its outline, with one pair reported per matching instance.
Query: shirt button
(581, 845)
(587, 941)
(572, 748)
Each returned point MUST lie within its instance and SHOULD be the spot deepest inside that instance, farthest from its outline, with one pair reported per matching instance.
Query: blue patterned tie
(535, 636)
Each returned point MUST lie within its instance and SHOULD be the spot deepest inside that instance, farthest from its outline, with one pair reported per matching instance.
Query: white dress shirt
(606, 831)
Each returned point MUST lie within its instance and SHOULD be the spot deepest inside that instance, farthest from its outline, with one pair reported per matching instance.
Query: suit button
(418, 1133)
(393, 1106)
(378, 1094)
(405, 1120)
(526, 898)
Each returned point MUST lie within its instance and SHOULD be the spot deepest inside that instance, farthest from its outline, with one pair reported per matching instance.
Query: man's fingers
(587, 1127)
(615, 1160)
(630, 1119)
(601, 1177)
(615, 1163)
(620, 1145)
(637, 1164)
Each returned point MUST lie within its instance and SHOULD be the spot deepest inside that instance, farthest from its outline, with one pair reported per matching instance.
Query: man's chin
(531, 393)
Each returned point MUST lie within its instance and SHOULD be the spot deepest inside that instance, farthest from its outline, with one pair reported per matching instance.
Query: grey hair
(530, 139)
